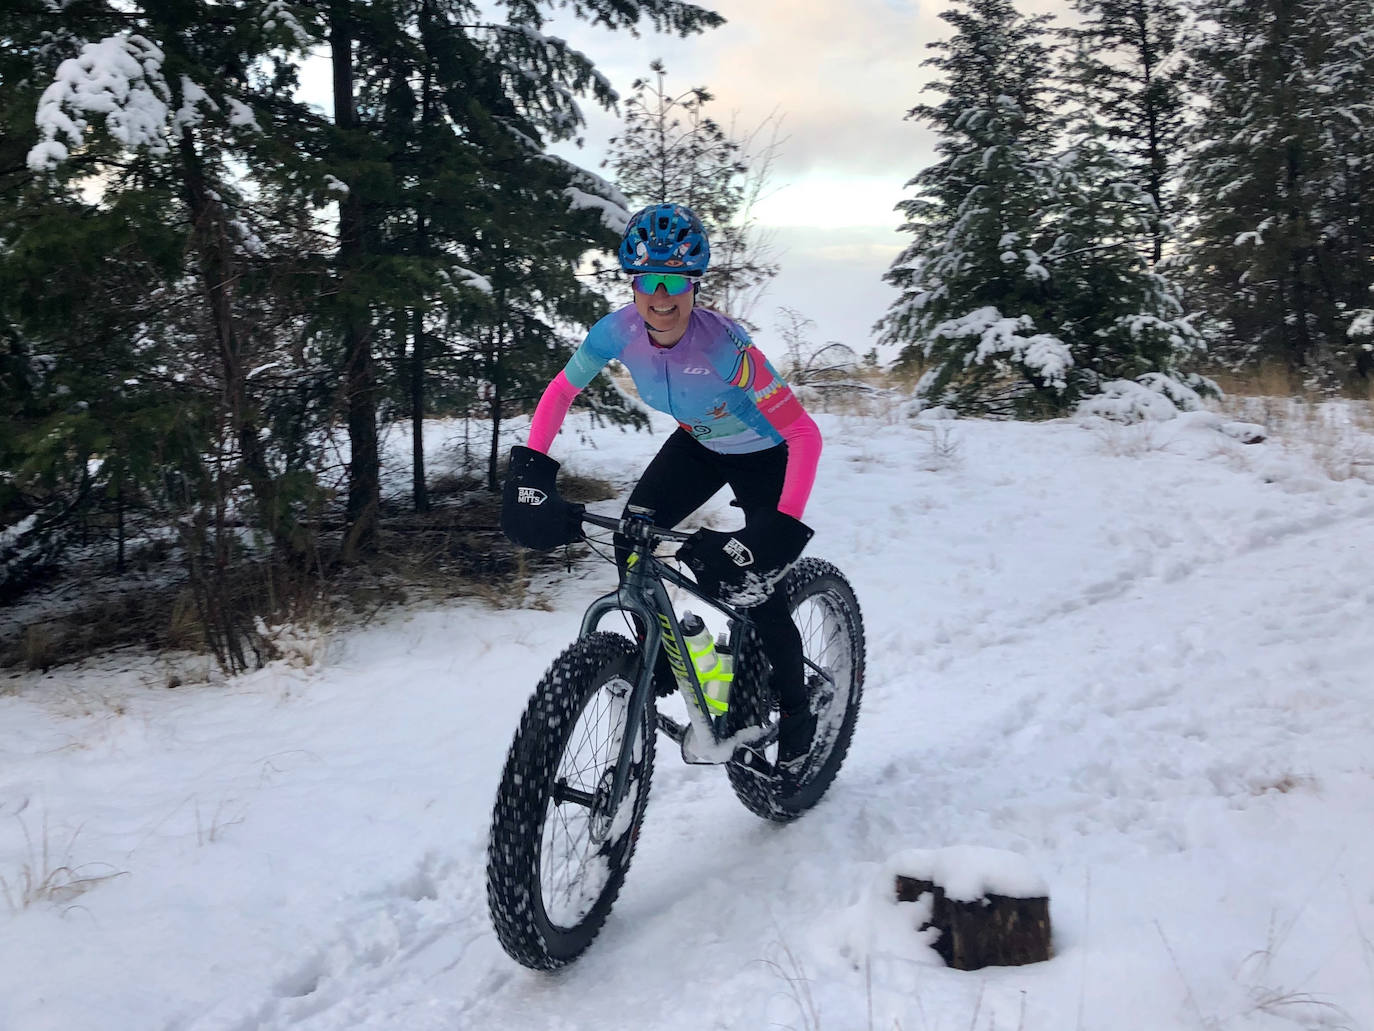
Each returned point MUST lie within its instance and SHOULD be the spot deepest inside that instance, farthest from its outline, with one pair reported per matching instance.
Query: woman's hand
(532, 513)
(743, 567)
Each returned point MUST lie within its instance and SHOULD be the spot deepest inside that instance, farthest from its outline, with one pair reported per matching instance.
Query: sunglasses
(673, 283)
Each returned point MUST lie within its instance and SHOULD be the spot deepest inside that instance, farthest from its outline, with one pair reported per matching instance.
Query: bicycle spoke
(571, 852)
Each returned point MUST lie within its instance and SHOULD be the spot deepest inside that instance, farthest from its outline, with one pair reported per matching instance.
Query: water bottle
(699, 645)
(713, 670)
(717, 687)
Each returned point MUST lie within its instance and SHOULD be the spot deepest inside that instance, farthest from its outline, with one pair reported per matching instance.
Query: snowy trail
(1140, 659)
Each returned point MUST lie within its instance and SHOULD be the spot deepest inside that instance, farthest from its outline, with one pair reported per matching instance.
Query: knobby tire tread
(514, 848)
(751, 702)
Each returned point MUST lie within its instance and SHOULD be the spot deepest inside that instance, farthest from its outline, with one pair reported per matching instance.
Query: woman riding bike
(738, 424)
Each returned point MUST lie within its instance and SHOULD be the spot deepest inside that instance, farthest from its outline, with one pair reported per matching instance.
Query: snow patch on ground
(1135, 657)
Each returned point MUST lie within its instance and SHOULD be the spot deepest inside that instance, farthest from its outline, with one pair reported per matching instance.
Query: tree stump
(979, 926)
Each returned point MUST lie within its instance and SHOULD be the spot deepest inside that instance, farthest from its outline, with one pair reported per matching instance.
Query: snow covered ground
(1141, 658)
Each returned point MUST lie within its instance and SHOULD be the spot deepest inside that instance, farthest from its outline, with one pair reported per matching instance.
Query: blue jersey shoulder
(605, 341)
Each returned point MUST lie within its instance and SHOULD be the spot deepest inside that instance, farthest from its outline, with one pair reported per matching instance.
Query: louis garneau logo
(531, 496)
(739, 554)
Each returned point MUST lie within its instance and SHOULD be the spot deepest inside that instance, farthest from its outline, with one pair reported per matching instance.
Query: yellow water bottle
(713, 674)
(716, 684)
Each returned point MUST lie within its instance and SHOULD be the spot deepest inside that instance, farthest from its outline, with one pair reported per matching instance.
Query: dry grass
(1302, 1008)
(42, 878)
(211, 831)
(103, 614)
(1284, 784)
(1131, 440)
(870, 394)
(1337, 434)
(941, 447)
(789, 969)
(454, 550)
(1267, 381)
(585, 490)
(38, 648)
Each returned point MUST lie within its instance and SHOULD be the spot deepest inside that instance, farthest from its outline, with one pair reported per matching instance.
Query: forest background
(215, 298)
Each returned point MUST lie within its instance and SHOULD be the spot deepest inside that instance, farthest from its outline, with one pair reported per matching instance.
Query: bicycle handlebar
(629, 525)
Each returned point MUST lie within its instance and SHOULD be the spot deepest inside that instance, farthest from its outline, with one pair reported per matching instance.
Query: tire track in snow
(396, 938)
(993, 630)
(1110, 720)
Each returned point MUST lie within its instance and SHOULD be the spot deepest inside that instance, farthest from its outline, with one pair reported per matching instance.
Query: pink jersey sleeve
(549, 413)
(803, 438)
(786, 415)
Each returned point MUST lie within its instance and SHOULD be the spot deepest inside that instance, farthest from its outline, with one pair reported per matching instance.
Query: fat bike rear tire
(827, 614)
(557, 855)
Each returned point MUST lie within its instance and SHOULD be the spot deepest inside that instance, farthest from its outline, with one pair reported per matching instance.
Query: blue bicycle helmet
(665, 238)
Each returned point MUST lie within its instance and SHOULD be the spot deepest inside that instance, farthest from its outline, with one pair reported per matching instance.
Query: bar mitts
(532, 513)
(743, 567)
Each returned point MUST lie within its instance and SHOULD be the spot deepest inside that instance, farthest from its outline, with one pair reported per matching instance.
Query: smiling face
(665, 317)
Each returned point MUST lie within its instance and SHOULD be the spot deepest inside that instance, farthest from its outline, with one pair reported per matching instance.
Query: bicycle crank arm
(671, 727)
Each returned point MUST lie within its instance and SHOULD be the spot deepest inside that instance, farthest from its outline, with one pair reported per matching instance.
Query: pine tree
(1124, 322)
(182, 79)
(971, 279)
(478, 218)
(527, 244)
(1126, 74)
(214, 185)
(91, 425)
(1026, 289)
(1281, 182)
(153, 105)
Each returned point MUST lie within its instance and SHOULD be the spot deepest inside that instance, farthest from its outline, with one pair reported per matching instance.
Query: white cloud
(841, 76)
(832, 199)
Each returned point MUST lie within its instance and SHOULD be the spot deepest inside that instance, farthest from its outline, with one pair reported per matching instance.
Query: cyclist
(738, 424)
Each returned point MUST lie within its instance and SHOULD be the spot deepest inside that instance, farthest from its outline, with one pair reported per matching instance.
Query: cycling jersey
(713, 381)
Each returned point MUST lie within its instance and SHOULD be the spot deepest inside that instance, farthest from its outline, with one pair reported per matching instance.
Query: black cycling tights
(683, 476)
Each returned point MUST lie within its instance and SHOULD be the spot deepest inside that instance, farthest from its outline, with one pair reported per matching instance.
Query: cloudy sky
(842, 75)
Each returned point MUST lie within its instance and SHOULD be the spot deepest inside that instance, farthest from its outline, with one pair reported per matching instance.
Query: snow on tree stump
(990, 907)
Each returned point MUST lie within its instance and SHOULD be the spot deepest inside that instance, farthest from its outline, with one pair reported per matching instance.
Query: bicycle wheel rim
(578, 838)
(822, 621)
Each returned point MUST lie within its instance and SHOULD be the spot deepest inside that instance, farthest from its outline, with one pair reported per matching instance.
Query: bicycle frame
(642, 593)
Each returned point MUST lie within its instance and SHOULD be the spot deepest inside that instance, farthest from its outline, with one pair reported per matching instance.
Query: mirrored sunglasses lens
(672, 284)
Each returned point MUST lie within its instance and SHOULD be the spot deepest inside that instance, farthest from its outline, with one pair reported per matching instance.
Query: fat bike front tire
(557, 854)
(827, 615)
